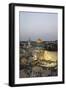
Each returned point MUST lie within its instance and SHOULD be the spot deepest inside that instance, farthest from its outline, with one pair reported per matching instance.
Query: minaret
(29, 43)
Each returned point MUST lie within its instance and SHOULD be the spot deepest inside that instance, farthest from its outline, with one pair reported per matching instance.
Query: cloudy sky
(38, 25)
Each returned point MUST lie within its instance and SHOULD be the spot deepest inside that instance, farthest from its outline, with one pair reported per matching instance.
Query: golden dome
(39, 40)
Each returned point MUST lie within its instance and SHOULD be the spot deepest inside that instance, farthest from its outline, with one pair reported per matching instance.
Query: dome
(39, 40)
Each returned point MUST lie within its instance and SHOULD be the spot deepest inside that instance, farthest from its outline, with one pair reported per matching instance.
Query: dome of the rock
(39, 40)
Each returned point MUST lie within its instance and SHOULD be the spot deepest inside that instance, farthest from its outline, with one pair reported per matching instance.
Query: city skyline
(38, 25)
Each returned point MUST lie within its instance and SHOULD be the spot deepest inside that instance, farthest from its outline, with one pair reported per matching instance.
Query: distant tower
(29, 42)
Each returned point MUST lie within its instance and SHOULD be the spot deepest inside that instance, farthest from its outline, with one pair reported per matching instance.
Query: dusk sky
(38, 25)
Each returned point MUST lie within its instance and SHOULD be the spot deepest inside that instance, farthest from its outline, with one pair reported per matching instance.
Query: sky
(36, 25)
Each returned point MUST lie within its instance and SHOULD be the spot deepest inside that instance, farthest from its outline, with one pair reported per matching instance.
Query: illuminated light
(35, 57)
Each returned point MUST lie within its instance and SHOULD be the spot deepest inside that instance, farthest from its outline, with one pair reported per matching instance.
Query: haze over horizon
(38, 25)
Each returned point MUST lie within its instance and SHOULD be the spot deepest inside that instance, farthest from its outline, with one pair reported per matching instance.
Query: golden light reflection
(46, 58)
